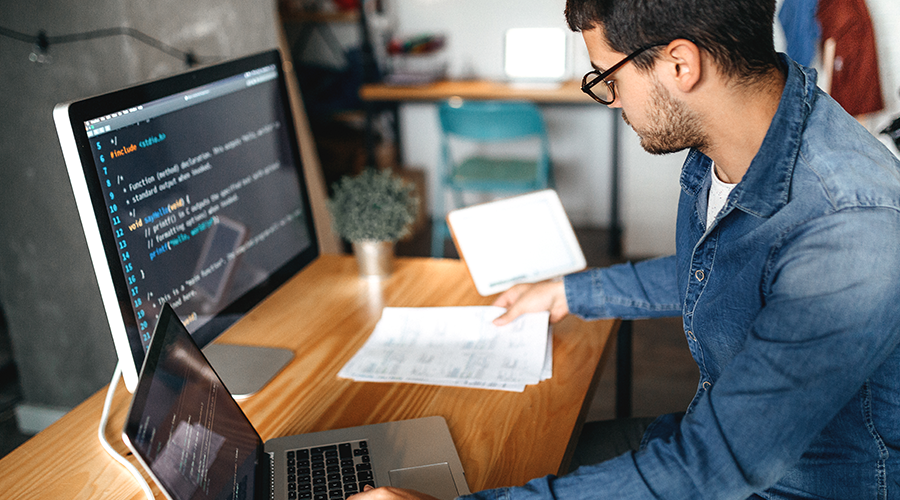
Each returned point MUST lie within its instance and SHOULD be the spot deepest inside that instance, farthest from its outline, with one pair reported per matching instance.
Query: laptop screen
(184, 425)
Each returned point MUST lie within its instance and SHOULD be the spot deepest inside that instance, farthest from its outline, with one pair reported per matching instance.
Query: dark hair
(738, 34)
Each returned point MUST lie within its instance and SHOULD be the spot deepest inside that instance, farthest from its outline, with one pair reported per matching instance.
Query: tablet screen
(523, 239)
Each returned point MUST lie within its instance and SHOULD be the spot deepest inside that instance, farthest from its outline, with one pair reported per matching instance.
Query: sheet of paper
(457, 346)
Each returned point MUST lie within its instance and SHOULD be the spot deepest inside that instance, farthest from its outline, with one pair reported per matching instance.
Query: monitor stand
(246, 369)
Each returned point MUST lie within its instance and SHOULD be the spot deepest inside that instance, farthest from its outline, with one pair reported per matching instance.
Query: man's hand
(533, 297)
(389, 493)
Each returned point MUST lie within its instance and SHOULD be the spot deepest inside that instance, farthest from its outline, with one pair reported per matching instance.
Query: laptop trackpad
(435, 480)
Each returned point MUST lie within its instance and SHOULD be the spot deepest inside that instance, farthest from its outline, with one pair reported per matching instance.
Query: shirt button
(691, 336)
(699, 275)
(707, 385)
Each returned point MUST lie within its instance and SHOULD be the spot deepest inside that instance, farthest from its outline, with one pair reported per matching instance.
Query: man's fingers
(505, 318)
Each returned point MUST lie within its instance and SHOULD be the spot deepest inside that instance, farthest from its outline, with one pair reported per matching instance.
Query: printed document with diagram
(455, 346)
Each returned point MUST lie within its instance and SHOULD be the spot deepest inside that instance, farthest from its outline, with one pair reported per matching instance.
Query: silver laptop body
(191, 436)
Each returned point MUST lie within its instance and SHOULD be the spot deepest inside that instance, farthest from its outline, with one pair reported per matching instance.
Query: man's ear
(684, 64)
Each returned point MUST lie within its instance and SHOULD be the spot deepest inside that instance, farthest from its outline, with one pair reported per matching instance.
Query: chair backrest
(491, 120)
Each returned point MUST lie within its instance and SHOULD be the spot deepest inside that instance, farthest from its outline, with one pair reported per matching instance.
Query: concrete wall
(59, 336)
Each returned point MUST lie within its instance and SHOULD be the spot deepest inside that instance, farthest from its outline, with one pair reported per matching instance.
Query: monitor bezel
(70, 121)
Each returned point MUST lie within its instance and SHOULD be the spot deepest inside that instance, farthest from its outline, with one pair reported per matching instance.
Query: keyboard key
(332, 472)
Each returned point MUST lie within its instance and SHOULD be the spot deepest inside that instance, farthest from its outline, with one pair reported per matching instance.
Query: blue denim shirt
(791, 308)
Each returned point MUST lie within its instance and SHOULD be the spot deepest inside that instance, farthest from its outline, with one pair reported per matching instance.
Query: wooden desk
(325, 314)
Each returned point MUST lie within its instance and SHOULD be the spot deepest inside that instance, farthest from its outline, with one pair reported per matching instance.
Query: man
(786, 269)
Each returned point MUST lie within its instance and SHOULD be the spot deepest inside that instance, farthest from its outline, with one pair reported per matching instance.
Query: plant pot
(374, 258)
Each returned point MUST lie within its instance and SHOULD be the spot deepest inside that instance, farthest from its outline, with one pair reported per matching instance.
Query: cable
(43, 42)
(104, 417)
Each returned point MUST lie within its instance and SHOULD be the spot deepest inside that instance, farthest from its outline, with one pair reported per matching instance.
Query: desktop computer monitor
(191, 192)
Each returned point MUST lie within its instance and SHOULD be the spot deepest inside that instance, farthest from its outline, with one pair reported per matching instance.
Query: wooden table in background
(324, 315)
(564, 93)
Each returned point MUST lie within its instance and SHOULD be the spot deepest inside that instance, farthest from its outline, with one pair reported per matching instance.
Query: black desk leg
(623, 370)
(615, 225)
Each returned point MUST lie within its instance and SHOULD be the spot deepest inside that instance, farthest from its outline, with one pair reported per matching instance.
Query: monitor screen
(191, 191)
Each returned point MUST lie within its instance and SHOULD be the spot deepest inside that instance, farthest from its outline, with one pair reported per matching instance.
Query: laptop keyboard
(331, 472)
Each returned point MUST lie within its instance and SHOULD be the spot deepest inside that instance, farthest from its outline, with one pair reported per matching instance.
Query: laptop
(191, 436)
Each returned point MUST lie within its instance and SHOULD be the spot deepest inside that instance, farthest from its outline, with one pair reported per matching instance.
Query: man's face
(663, 123)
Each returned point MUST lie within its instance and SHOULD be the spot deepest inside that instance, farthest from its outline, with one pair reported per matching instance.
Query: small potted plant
(373, 210)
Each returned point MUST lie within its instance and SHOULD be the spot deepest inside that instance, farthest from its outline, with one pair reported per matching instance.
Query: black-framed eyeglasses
(606, 93)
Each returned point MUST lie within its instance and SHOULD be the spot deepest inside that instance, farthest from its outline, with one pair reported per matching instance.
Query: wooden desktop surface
(568, 92)
(324, 315)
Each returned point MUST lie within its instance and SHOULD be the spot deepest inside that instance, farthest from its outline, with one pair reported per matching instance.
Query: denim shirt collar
(765, 187)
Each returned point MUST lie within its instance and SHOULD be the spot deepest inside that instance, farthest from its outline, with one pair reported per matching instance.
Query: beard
(672, 126)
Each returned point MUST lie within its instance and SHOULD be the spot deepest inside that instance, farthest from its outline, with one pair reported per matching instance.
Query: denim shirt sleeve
(831, 319)
(647, 289)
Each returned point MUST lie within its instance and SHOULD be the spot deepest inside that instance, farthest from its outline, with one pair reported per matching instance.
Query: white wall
(580, 134)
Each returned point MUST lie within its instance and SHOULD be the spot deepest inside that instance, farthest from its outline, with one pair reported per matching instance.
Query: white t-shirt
(718, 195)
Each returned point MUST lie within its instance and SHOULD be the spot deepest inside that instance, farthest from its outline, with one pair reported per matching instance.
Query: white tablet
(523, 239)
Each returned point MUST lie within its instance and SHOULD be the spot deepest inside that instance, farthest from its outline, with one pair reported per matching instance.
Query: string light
(42, 43)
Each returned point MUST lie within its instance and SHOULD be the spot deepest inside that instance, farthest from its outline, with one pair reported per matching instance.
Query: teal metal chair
(478, 126)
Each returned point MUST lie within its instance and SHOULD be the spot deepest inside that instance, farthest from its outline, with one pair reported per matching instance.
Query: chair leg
(437, 238)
